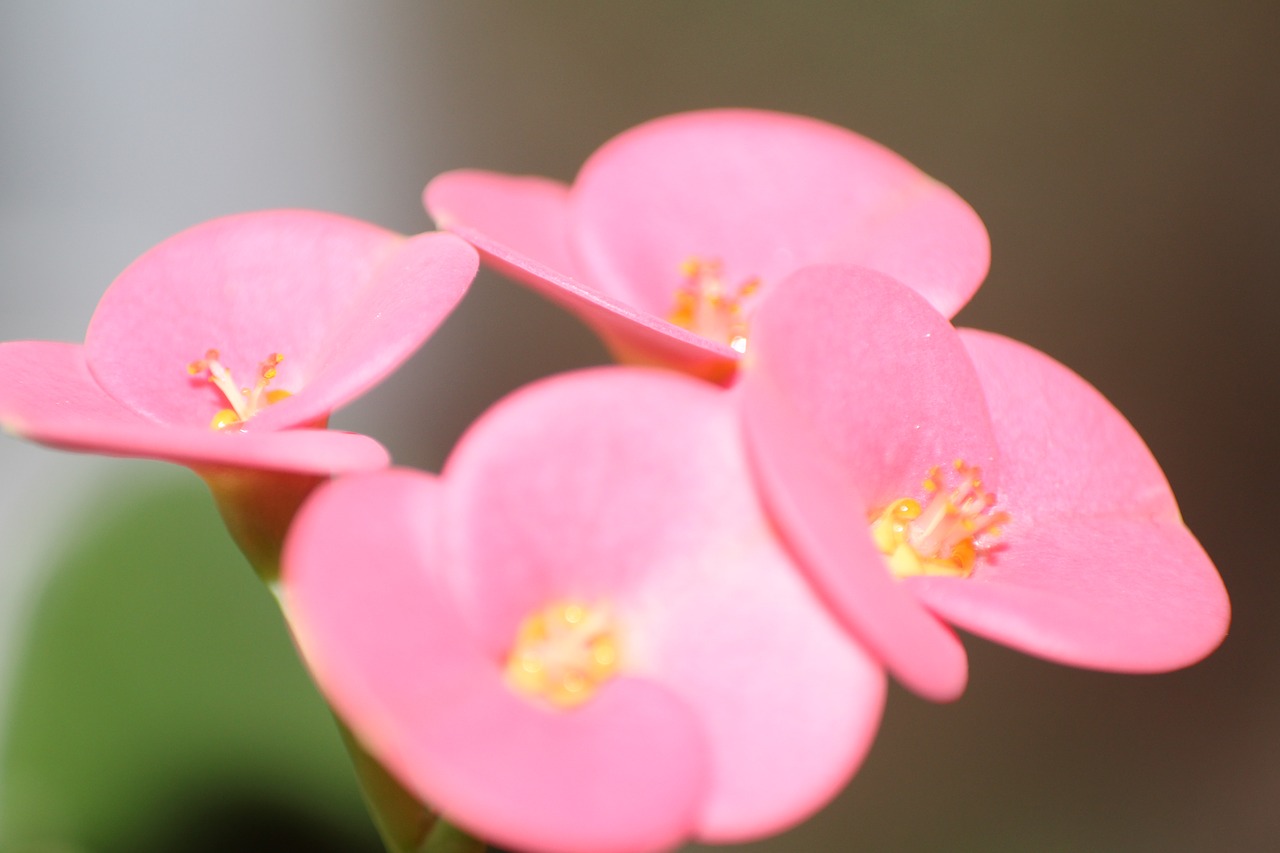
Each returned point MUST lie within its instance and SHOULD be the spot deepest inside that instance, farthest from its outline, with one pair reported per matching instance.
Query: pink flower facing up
(921, 471)
(673, 230)
(583, 636)
(226, 347)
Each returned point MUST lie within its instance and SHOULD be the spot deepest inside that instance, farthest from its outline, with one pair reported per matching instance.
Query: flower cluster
(645, 605)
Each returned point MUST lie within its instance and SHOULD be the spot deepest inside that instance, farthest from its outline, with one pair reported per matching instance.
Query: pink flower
(227, 345)
(1006, 495)
(583, 636)
(673, 229)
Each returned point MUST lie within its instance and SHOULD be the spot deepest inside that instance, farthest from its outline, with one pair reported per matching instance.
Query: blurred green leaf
(160, 704)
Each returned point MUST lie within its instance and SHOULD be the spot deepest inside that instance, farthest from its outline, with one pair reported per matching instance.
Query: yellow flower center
(705, 305)
(244, 402)
(945, 535)
(563, 653)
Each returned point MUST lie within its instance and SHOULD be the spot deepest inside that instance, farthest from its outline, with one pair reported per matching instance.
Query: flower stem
(406, 826)
(447, 838)
(257, 508)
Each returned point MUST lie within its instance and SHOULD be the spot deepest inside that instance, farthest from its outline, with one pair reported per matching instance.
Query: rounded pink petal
(1093, 567)
(790, 706)
(628, 489)
(823, 519)
(524, 214)
(853, 388)
(623, 773)
(248, 286)
(48, 395)
(409, 295)
(882, 377)
(586, 484)
(299, 283)
(517, 224)
(1106, 592)
(765, 193)
(46, 387)
(295, 451)
(1063, 447)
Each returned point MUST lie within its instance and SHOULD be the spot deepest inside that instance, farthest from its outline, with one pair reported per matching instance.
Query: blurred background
(1123, 157)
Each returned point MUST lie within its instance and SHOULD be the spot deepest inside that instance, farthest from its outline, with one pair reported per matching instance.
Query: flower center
(706, 306)
(244, 402)
(563, 653)
(946, 534)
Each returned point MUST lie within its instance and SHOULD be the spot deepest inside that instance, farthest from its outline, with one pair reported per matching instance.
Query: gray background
(1122, 156)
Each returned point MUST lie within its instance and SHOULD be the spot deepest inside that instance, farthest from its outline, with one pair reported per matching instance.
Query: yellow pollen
(244, 402)
(704, 305)
(944, 536)
(563, 653)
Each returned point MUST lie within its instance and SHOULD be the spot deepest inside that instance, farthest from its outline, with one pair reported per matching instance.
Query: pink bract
(762, 194)
(856, 387)
(738, 706)
(343, 301)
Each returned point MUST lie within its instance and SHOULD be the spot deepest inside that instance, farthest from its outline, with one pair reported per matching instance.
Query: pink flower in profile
(228, 345)
(674, 229)
(583, 637)
(925, 472)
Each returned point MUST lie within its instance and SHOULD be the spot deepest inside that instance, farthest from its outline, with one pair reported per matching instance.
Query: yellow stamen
(245, 402)
(946, 535)
(563, 653)
(703, 304)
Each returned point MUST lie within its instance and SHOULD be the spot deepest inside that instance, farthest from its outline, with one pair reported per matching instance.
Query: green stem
(257, 508)
(447, 838)
(405, 825)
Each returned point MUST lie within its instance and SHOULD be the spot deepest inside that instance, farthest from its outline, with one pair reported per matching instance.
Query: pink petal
(526, 215)
(48, 395)
(789, 704)
(409, 295)
(883, 378)
(629, 488)
(297, 451)
(853, 388)
(765, 193)
(248, 286)
(46, 386)
(1063, 447)
(623, 773)
(1106, 592)
(362, 553)
(587, 484)
(821, 516)
(1094, 567)
(517, 224)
